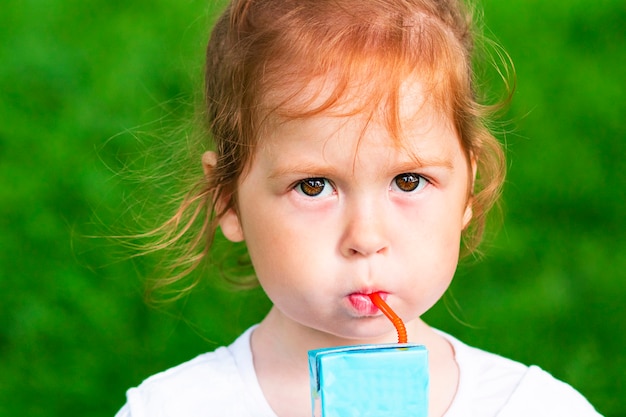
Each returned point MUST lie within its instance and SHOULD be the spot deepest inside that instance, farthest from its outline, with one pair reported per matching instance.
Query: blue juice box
(388, 380)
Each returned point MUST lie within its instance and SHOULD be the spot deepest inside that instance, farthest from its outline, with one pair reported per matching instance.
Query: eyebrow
(327, 170)
(420, 163)
(303, 169)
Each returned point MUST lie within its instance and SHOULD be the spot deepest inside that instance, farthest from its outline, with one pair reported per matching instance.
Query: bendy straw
(391, 315)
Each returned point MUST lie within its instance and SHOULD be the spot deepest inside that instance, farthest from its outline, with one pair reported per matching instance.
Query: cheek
(434, 245)
(276, 247)
(289, 260)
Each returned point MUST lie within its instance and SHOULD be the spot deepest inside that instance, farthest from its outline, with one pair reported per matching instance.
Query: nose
(365, 230)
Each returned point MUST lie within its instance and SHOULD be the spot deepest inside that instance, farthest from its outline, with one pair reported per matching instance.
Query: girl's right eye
(314, 187)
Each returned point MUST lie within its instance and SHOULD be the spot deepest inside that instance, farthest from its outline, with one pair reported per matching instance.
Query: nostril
(366, 251)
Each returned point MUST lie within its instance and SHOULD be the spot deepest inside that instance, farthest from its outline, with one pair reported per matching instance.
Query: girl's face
(331, 210)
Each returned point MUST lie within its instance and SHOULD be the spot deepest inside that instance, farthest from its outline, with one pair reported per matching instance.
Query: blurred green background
(85, 85)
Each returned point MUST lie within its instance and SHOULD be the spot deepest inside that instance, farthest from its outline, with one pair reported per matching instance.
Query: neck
(278, 335)
(280, 346)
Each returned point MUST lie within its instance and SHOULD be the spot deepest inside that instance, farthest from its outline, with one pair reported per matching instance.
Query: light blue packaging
(370, 380)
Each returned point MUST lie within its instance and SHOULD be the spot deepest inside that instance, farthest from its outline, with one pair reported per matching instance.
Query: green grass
(85, 85)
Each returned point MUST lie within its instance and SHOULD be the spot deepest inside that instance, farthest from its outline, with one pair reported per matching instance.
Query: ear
(209, 160)
(231, 226)
(229, 222)
(469, 212)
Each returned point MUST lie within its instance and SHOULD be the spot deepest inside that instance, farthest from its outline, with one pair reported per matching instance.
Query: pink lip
(363, 305)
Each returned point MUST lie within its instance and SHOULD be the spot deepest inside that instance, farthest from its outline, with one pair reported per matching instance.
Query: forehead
(357, 136)
(401, 111)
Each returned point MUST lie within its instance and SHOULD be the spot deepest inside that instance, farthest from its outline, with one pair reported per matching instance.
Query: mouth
(363, 305)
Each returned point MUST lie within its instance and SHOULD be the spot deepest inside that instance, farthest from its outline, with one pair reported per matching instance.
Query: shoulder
(181, 390)
(540, 394)
(208, 384)
(491, 385)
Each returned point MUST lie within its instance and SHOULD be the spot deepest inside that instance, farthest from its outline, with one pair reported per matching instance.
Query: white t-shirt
(223, 383)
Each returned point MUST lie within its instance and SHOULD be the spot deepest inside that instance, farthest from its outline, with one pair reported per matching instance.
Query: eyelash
(308, 187)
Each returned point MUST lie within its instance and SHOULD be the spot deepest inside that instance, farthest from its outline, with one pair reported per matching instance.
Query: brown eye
(409, 182)
(314, 187)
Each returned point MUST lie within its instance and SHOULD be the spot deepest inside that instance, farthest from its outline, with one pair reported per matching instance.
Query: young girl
(352, 158)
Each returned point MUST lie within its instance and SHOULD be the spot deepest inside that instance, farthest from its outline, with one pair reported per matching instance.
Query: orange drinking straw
(391, 315)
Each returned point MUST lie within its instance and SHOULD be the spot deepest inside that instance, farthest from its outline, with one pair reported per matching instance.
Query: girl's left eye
(409, 182)
(314, 187)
